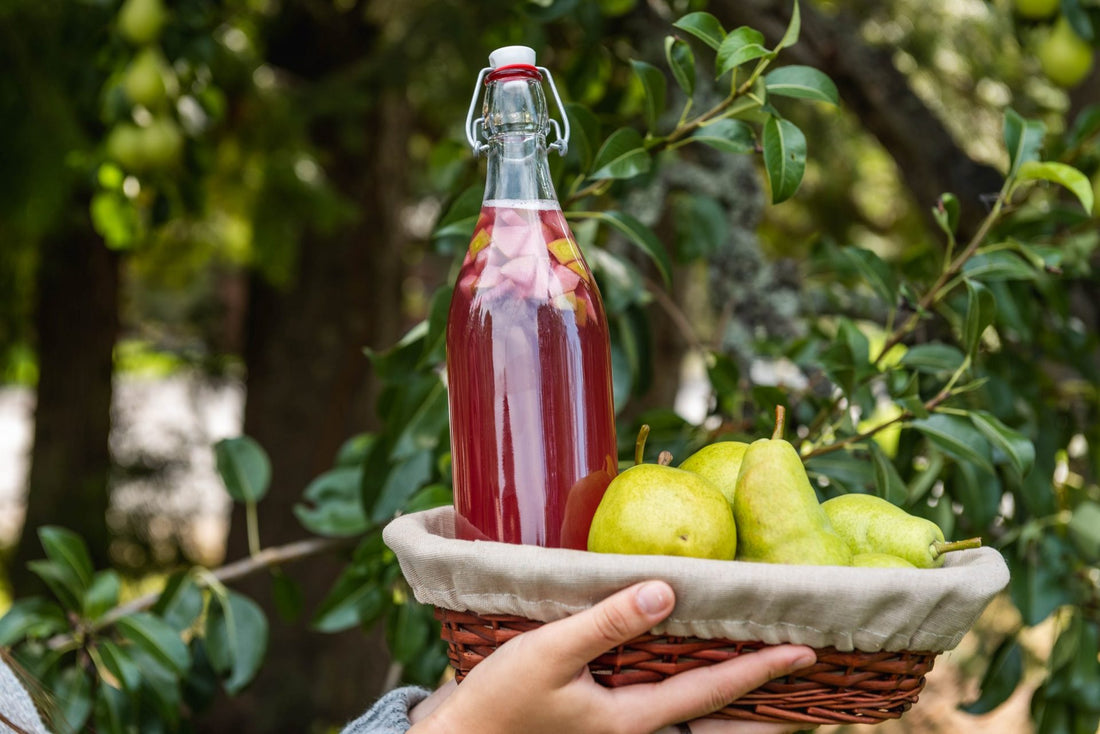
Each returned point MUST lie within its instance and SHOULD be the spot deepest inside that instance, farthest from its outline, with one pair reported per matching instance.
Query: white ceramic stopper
(509, 55)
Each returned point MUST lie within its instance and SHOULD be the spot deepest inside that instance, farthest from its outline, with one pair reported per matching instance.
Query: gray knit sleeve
(389, 714)
(16, 704)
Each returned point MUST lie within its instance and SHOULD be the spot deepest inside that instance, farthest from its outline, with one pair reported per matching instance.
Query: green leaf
(979, 493)
(784, 157)
(435, 342)
(159, 695)
(1023, 138)
(621, 156)
(1002, 675)
(461, 216)
(426, 426)
(681, 61)
(794, 28)
(621, 285)
(406, 478)
(376, 468)
(728, 136)
(62, 581)
(740, 45)
(1019, 451)
(637, 234)
(407, 631)
(1061, 174)
(66, 548)
(946, 213)
(356, 599)
(112, 711)
(846, 356)
(102, 594)
(244, 468)
(1085, 126)
(802, 82)
(725, 380)
(956, 437)
(1084, 530)
(32, 617)
(990, 267)
(701, 226)
(434, 495)
(845, 471)
(875, 271)
(933, 358)
(888, 483)
(655, 86)
(335, 507)
(981, 309)
(354, 450)
(120, 665)
(703, 26)
(181, 601)
(236, 639)
(157, 639)
(72, 693)
(584, 132)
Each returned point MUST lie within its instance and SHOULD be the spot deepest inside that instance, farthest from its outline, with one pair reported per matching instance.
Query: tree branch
(267, 558)
(871, 87)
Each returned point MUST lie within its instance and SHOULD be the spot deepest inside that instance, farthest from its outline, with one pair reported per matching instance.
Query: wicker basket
(841, 688)
(876, 631)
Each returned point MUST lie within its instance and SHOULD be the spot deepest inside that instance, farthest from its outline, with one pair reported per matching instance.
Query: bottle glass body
(528, 357)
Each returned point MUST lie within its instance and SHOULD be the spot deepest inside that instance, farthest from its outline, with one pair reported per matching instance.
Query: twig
(266, 558)
(856, 438)
(937, 291)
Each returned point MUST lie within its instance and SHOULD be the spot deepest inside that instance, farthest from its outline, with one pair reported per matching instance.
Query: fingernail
(804, 660)
(653, 598)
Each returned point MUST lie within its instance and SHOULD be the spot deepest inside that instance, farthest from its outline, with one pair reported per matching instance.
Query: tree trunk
(308, 390)
(871, 86)
(77, 325)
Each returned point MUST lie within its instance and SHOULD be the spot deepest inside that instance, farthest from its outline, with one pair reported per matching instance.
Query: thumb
(615, 620)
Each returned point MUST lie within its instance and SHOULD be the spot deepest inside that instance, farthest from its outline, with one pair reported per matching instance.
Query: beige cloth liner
(868, 609)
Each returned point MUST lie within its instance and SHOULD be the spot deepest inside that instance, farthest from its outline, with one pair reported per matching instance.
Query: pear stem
(940, 547)
(780, 421)
(664, 458)
(639, 443)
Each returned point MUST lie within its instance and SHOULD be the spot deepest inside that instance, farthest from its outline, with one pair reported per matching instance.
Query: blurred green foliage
(954, 374)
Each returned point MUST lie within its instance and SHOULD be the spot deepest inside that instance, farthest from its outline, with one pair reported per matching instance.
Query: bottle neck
(516, 122)
(518, 169)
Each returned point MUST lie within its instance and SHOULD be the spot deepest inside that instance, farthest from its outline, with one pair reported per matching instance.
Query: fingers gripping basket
(876, 631)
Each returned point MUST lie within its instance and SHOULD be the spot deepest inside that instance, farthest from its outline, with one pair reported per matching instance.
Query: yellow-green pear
(776, 510)
(651, 509)
(719, 463)
(654, 509)
(880, 560)
(870, 524)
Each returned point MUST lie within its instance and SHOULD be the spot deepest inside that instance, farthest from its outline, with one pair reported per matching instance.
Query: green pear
(719, 463)
(651, 509)
(776, 510)
(871, 524)
(880, 560)
(655, 509)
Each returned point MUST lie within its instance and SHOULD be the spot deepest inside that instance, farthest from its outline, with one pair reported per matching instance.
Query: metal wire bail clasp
(475, 126)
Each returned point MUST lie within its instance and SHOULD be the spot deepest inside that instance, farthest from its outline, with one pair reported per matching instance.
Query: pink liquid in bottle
(529, 381)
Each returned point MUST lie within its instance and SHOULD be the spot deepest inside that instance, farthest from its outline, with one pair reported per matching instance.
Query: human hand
(539, 681)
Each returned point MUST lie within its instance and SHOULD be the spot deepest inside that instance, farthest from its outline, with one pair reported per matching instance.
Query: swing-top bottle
(528, 355)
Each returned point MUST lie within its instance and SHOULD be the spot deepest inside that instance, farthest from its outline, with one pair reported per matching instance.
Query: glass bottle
(528, 356)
